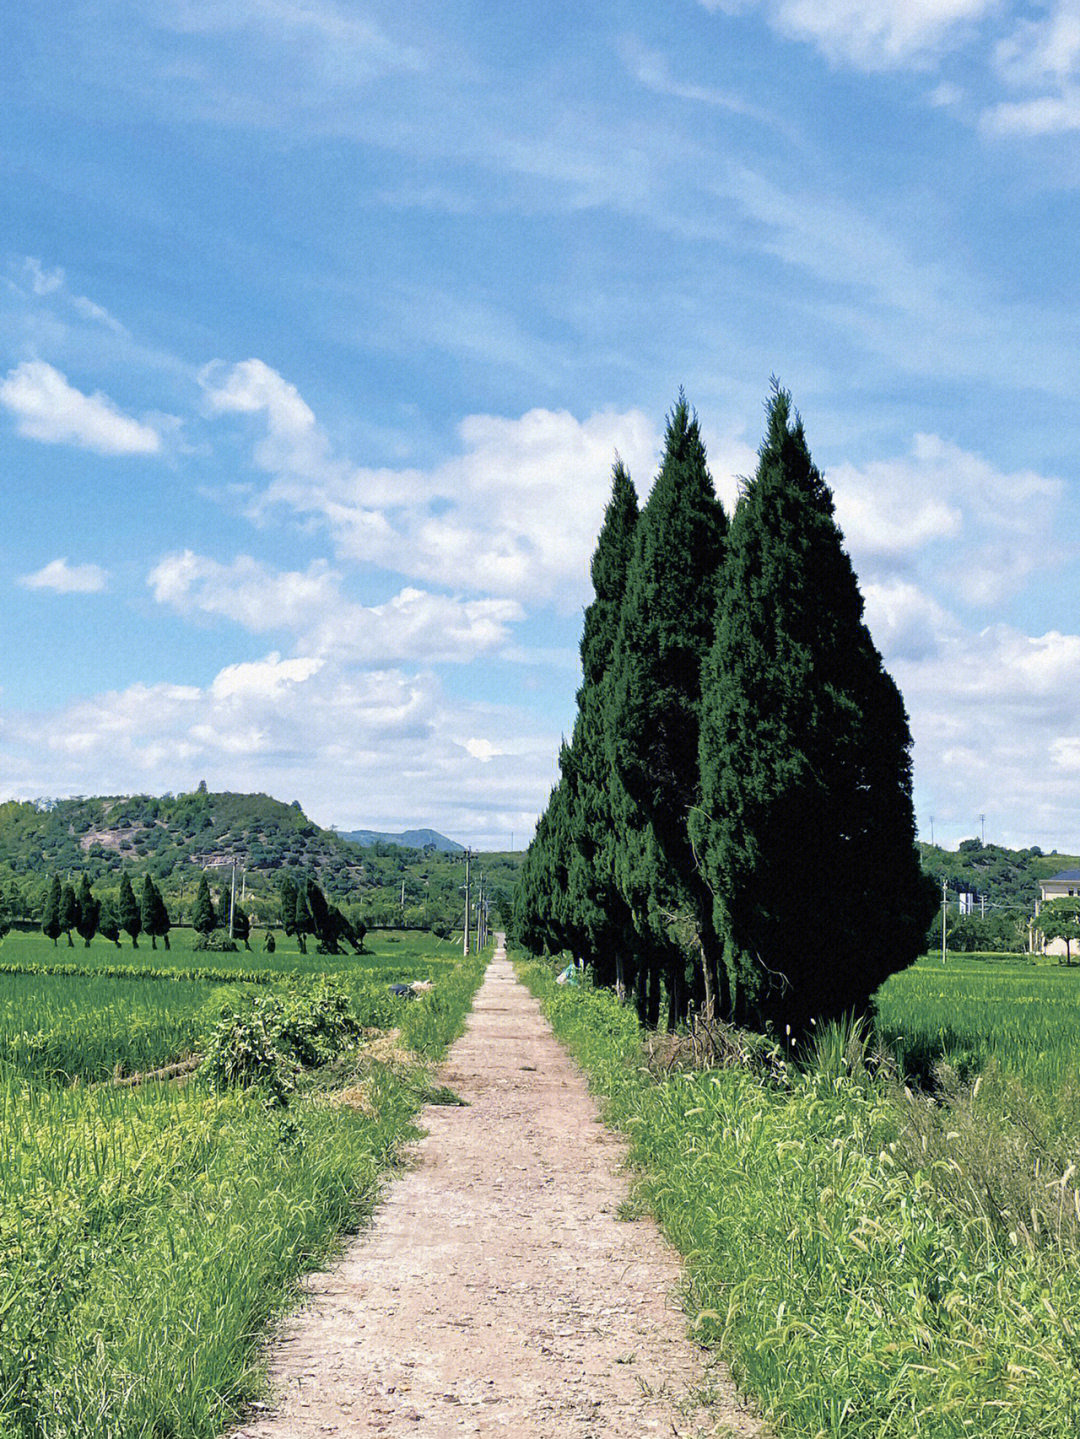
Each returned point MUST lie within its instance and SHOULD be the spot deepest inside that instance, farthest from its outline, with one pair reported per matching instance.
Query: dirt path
(497, 1292)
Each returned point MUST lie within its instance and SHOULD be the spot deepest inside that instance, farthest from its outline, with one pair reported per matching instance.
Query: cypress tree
(805, 828)
(50, 916)
(69, 912)
(89, 911)
(155, 917)
(654, 700)
(127, 911)
(203, 918)
(108, 924)
(601, 910)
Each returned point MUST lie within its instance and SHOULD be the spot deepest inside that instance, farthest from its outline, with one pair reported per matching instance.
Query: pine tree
(203, 918)
(89, 911)
(127, 911)
(50, 917)
(653, 707)
(805, 827)
(69, 912)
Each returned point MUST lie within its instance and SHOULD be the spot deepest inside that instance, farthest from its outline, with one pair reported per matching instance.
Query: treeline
(732, 831)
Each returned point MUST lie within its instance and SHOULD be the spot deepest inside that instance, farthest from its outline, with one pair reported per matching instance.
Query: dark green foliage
(654, 702)
(203, 917)
(108, 923)
(805, 827)
(154, 915)
(69, 912)
(128, 912)
(50, 919)
(242, 926)
(89, 911)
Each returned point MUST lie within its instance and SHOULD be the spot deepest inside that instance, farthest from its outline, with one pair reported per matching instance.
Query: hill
(410, 839)
(176, 838)
(1007, 878)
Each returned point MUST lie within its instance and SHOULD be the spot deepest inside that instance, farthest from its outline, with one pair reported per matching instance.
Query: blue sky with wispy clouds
(321, 323)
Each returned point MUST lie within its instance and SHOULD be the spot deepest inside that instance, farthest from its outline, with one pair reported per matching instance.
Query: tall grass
(873, 1264)
(147, 1234)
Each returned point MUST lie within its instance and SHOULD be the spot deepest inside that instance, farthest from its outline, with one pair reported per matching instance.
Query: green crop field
(148, 1232)
(875, 1260)
(1026, 1016)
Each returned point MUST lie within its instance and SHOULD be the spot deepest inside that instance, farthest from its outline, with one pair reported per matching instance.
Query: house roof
(1070, 876)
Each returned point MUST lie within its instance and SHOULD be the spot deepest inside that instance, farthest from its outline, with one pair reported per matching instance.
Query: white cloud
(355, 747)
(871, 34)
(42, 281)
(996, 719)
(517, 512)
(413, 624)
(906, 623)
(67, 579)
(50, 409)
(1042, 57)
(1001, 523)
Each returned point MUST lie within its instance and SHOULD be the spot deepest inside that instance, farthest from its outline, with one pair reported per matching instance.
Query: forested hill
(410, 839)
(176, 838)
(1007, 877)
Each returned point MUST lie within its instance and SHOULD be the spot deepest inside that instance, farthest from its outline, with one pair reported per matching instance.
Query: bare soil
(498, 1291)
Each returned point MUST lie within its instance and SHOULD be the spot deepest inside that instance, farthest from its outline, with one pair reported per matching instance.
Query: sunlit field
(149, 1230)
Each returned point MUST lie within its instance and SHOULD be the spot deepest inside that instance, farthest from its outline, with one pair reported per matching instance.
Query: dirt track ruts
(496, 1291)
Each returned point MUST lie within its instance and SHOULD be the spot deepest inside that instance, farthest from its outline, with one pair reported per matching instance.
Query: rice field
(1023, 1015)
(147, 1233)
(875, 1261)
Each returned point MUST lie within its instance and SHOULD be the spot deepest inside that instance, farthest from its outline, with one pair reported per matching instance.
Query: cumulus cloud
(1041, 59)
(516, 512)
(996, 719)
(50, 409)
(893, 511)
(871, 34)
(351, 745)
(67, 579)
(413, 624)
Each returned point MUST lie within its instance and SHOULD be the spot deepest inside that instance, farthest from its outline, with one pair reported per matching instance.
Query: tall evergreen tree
(805, 828)
(89, 911)
(654, 701)
(154, 915)
(69, 912)
(108, 924)
(50, 916)
(602, 912)
(203, 917)
(127, 911)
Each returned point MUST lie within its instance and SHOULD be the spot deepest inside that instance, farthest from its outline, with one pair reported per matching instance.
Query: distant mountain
(410, 839)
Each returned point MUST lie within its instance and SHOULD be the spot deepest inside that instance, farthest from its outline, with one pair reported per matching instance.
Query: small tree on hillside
(89, 911)
(50, 917)
(69, 912)
(242, 926)
(127, 911)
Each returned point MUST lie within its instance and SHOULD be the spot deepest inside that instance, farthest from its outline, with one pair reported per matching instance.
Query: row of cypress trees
(67, 909)
(732, 830)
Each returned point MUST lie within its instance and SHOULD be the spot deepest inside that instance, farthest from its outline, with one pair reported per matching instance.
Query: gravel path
(497, 1292)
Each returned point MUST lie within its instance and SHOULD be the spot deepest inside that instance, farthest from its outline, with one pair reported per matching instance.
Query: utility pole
(982, 829)
(479, 913)
(931, 831)
(944, 915)
(465, 941)
(232, 902)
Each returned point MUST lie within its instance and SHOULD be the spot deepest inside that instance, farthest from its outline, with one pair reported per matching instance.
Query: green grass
(872, 1264)
(970, 1010)
(56, 1029)
(147, 1234)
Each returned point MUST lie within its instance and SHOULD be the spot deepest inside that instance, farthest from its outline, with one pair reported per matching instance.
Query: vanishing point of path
(496, 1291)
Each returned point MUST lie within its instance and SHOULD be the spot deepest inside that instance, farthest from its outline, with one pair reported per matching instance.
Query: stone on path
(497, 1292)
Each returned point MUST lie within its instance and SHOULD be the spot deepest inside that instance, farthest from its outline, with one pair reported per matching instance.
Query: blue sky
(320, 325)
